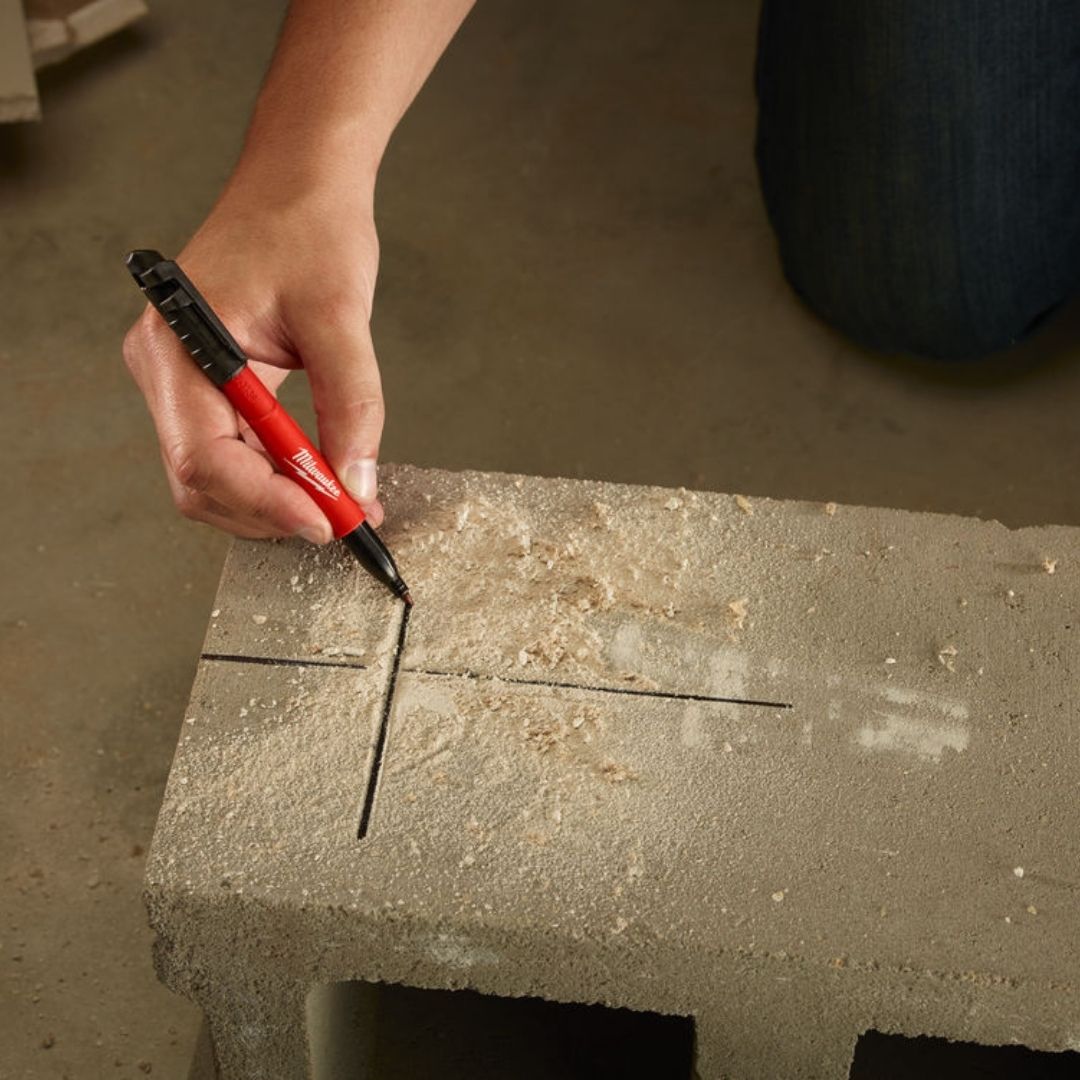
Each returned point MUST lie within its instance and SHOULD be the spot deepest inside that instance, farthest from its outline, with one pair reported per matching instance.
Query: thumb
(346, 390)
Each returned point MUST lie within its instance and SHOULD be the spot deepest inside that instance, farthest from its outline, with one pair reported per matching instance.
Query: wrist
(332, 164)
(318, 138)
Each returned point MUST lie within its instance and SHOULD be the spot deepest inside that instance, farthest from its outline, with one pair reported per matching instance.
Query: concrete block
(796, 771)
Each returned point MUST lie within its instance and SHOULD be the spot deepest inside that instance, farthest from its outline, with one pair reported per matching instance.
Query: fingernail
(314, 535)
(361, 480)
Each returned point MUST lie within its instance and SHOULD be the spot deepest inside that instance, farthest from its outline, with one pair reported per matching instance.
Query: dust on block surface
(834, 744)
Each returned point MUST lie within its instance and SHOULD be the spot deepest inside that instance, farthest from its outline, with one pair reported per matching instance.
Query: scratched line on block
(384, 724)
(668, 695)
(281, 661)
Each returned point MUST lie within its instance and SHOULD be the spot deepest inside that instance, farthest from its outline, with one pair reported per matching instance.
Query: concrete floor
(577, 279)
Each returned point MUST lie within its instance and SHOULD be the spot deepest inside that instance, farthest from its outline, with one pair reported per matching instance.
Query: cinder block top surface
(299, 602)
(838, 734)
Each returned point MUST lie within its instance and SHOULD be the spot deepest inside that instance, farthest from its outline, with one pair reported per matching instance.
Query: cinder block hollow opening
(897, 1057)
(373, 1031)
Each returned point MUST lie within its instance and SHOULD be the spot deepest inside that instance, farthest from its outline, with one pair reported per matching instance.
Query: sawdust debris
(737, 611)
(1050, 565)
(544, 735)
(947, 656)
(616, 774)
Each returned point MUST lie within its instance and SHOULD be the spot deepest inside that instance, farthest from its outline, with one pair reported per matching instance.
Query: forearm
(342, 76)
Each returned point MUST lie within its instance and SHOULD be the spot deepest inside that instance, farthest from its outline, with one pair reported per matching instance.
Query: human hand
(292, 275)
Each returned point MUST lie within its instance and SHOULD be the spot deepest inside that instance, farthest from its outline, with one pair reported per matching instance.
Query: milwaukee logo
(307, 468)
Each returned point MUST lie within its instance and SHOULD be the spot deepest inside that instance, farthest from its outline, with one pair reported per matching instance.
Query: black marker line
(670, 695)
(384, 723)
(667, 695)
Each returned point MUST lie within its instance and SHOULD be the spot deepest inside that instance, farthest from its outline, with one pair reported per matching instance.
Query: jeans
(920, 164)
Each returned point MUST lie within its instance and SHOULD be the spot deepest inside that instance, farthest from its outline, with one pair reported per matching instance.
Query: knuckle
(260, 509)
(341, 306)
(192, 504)
(372, 408)
(142, 338)
(134, 344)
(366, 408)
(187, 466)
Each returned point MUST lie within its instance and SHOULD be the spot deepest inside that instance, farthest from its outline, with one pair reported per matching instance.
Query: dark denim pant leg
(920, 162)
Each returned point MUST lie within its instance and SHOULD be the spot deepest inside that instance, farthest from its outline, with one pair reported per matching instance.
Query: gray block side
(755, 1015)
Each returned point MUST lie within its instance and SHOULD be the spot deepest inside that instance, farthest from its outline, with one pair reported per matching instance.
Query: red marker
(214, 349)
